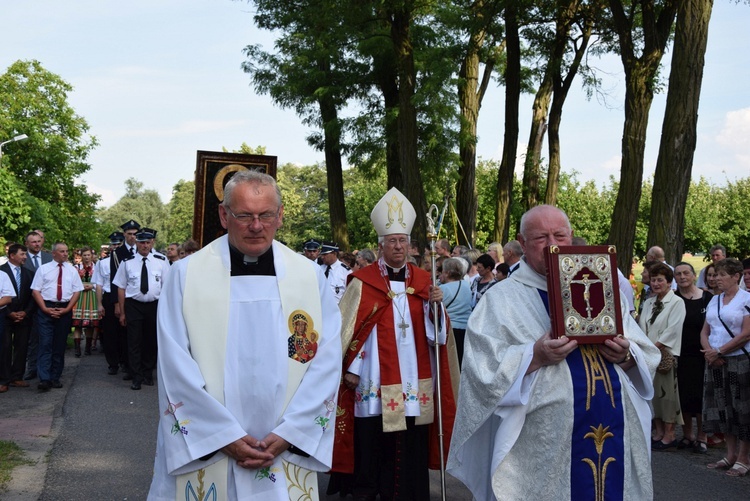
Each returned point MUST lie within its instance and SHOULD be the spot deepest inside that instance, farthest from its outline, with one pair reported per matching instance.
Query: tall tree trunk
(638, 98)
(387, 83)
(561, 85)
(470, 94)
(678, 137)
(385, 73)
(407, 118)
(640, 73)
(531, 165)
(510, 142)
(334, 172)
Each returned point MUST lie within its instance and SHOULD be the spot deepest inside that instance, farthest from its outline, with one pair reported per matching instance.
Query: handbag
(667, 362)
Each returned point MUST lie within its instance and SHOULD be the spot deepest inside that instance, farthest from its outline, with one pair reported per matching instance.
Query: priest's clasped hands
(252, 453)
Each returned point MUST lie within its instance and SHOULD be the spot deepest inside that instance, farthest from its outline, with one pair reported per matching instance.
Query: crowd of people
(46, 293)
(342, 352)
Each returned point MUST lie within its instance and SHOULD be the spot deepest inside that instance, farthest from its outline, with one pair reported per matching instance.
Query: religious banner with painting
(583, 290)
(212, 172)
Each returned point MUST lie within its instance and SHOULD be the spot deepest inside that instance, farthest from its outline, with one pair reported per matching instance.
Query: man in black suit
(124, 251)
(17, 320)
(35, 257)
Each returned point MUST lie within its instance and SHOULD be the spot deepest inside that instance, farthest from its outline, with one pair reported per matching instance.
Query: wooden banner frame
(213, 170)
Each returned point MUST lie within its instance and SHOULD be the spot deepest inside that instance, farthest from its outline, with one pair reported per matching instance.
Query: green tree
(15, 208)
(34, 101)
(305, 197)
(180, 210)
(703, 217)
(311, 73)
(248, 150)
(735, 220)
(588, 208)
(142, 204)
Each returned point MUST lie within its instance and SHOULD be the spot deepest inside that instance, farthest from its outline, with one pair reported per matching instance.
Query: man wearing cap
(249, 361)
(113, 345)
(386, 399)
(311, 248)
(124, 250)
(55, 288)
(139, 280)
(335, 271)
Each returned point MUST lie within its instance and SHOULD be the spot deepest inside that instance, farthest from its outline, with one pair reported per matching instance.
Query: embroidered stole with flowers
(299, 293)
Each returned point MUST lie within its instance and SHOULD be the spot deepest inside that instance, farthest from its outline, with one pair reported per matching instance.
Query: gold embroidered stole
(299, 293)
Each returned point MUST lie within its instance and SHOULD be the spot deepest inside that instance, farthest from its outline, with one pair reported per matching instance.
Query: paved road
(104, 436)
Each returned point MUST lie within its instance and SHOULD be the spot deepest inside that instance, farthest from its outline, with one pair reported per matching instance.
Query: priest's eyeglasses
(265, 218)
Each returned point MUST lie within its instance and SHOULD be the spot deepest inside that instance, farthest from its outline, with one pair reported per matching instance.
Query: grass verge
(10, 456)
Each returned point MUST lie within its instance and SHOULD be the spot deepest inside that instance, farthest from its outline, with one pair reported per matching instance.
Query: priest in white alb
(249, 362)
(541, 418)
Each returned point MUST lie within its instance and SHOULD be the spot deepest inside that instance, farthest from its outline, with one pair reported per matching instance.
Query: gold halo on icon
(221, 175)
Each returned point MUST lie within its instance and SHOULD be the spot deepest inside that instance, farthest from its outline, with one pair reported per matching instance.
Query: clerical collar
(244, 265)
(396, 275)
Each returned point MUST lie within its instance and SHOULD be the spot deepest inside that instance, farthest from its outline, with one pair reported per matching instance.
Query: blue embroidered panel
(597, 469)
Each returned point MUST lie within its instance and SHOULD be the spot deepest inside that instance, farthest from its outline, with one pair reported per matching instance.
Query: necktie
(144, 277)
(18, 278)
(59, 282)
(328, 270)
(36, 262)
(131, 252)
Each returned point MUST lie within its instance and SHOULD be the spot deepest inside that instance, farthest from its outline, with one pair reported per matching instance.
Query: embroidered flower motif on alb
(411, 394)
(267, 472)
(367, 392)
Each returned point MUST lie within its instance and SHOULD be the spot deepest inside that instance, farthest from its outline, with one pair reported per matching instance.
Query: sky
(158, 80)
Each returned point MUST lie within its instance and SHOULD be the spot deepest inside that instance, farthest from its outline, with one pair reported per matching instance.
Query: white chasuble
(258, 393)
(511, 426)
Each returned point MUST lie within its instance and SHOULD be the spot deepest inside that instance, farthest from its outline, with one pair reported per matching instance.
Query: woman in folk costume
(386, 400)
(86, 312)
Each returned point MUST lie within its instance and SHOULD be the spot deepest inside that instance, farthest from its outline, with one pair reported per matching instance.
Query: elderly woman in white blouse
(661, 320)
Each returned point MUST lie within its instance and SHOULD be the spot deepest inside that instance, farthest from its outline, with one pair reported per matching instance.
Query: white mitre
(393, 214)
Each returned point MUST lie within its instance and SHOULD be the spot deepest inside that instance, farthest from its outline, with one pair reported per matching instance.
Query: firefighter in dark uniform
(140, 279)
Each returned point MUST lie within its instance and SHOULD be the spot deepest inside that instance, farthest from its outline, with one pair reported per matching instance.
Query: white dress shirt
(6, 287)
(45, 281)
(128, 276)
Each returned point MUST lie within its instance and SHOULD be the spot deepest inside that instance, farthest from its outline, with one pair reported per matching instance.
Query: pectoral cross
(403, 326)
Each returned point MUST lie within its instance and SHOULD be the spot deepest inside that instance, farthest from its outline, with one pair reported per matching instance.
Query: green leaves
(48, 165)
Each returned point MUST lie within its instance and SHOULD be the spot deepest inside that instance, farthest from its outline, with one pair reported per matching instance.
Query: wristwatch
(718, 352)
(627, 358)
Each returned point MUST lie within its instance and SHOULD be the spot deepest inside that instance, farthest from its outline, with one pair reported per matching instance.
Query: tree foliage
(179, 223)
(49, 164)
(142, 204)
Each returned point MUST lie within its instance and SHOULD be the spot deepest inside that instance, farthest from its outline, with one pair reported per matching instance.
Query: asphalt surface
(94, 439)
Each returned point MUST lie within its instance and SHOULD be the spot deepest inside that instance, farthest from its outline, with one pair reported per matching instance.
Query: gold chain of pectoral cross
(395, 297)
